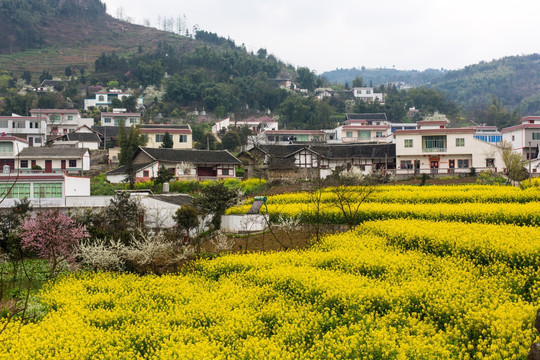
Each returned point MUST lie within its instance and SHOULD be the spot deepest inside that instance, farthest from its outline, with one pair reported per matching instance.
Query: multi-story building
(103, 99)
(114, 118)
(31, 129)
(61, 121)
(525, 137)
(434, 148)
(10, 148)
(367, 94)
(181, 135)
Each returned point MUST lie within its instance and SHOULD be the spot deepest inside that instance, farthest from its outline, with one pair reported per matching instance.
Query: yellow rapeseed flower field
(405, 287)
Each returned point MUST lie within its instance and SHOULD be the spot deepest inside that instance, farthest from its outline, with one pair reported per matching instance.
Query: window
(47, 190)
(18, 191)
(4, 124)
(490, 162)
(513, 138)
(159, 138)
(101, 98)
(378, 134)
(132, 120)
(463, 163)
(406, 164)
(70, 117)
(6, 148)
(408, 143)
(19, 125)
(37, 140)
(107, 120)
(116, 122)
(364, 135)
(536, 135)
(24, 164)
(34, 125)
(173, 171)
(434, 143)
(72, 163)
(183, 138)
(54, 119)
(225, 171)
(460, 142)
(187, 171)
(146, 173)
(349, 134)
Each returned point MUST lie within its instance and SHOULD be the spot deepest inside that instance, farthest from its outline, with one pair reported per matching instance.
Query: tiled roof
(52, 152)
(337, 151)
(121, 170)
(55, 111)
(191, 156)
(111, 131)
(120, 114)
(83, 137)
(367, 116)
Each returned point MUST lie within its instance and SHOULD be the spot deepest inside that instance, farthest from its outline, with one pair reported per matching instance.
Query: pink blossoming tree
(53, 236)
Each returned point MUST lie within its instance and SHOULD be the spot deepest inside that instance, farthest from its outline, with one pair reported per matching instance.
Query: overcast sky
(330, 34)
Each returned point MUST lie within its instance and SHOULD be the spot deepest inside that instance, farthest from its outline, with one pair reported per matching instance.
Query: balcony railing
(434, 149)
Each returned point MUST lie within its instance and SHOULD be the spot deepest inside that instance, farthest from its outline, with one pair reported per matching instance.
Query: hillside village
(49, 155)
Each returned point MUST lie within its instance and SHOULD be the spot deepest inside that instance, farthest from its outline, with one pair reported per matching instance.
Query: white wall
(243, 223)
(76, 186)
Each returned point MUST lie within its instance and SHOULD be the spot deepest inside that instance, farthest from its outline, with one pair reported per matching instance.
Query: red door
(63, 165)
(48, 166)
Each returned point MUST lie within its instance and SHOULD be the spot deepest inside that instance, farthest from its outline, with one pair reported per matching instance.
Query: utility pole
(530, 160)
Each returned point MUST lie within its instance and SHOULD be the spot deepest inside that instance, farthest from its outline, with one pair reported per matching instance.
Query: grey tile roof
(83, 137)
(337, 151)
(191, 156)
(176, 199)
(52, 152)
(121, 170)
(367, 116)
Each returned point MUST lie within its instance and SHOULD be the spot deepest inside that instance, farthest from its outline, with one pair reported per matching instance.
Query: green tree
(163, 175)
(186, 218)
(230, 140)
(167, 141)
(67, 71)
(514, 163)
(358, 81)
(214, 200)
(129, 142)
(27, 76)
(306, 78)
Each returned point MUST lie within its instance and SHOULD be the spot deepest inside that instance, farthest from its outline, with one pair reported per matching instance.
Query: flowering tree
(53, 236)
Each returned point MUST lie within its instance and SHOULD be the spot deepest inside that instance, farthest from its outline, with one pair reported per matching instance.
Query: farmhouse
(184, 164)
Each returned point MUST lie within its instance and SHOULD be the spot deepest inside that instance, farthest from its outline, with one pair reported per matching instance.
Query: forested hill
(382, 76)
(514, 80)
(24, 24)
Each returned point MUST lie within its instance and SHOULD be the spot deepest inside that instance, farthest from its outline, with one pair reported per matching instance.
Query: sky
(331, 34)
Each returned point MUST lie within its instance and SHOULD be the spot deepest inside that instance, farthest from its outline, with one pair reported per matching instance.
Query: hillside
(383, 76)
(52, 34)
(513, 79)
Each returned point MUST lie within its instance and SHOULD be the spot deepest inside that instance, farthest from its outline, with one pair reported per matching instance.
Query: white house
(31, 129)
(83, 137)
(43, 190)
(434, 148)
(61, 121)
(103, 99)
(367, 94)
(114, 118)
(10, 148)
(57, 160)
(184, 164)
(525, 137)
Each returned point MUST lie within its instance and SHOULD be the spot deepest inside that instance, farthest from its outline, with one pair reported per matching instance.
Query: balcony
(434, 149)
